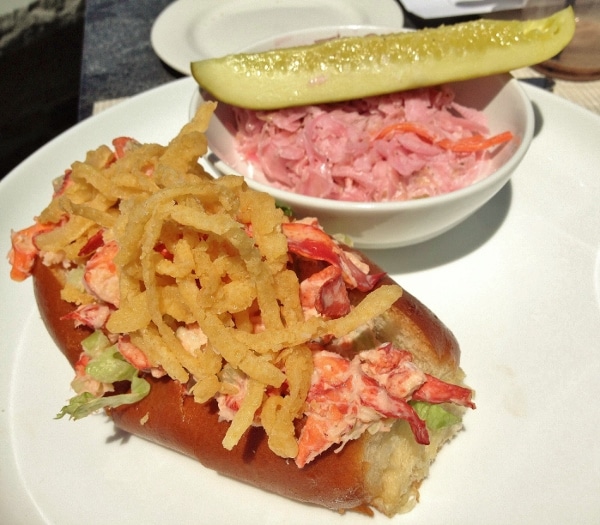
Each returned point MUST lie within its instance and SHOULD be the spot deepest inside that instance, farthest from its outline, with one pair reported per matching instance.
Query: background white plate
(451, 8)
(189, 30)
(519, 284)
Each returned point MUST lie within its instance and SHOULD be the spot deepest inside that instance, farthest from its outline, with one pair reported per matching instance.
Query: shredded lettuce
(435, 416)
(287, 211)
(94, 344)
(110, 367)
(343, 238)
(86, 403)
(75, 278)
(107, 366)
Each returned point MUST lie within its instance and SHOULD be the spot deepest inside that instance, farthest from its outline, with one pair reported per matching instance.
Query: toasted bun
(381, 471)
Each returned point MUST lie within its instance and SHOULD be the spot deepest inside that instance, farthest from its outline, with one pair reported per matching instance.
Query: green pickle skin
(355, 67)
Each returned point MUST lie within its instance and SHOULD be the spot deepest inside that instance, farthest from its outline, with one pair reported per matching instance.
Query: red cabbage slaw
(395, 147)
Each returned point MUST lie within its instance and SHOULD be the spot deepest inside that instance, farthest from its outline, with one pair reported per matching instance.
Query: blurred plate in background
(190, 30)
(450, 8)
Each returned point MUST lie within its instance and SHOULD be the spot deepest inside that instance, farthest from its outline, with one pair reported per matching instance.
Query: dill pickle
(355, 67)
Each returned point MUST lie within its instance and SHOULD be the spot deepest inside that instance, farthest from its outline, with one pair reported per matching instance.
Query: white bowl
(379, 225)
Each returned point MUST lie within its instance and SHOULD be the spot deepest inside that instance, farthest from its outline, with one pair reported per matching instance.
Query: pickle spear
(355, 67)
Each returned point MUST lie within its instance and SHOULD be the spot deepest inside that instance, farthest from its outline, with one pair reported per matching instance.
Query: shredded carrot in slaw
(406, 127)
(470, 144)
(475, 143)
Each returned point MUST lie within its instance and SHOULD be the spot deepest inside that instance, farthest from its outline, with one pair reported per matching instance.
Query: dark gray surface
(118, 60)
(40, 57)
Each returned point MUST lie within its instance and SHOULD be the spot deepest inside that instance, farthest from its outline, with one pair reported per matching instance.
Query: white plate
(189, 30)
(452, 8)
(519, 283)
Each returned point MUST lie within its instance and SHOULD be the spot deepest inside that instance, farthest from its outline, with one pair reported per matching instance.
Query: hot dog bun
(382, 471)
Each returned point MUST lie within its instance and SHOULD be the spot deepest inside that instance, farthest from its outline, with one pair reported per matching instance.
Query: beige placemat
(101, 105)
(586, 94)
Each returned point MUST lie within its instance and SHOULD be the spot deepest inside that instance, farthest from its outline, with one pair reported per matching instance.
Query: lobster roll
(200, 315)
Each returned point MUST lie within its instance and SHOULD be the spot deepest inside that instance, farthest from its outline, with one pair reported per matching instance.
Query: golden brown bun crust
(411, 322)
(168, 417)
(175, 420)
